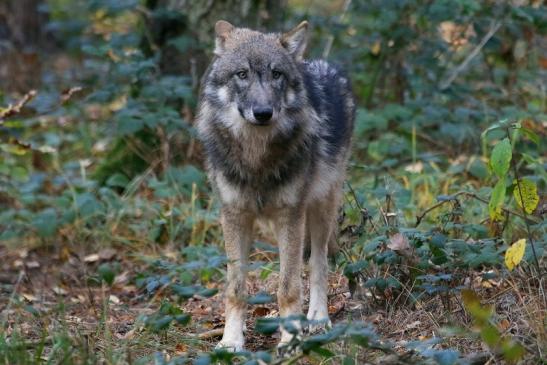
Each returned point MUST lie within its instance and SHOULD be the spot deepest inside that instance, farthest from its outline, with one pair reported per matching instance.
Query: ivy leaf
(515, 253)
(118, 180)
(267, 326)
(107, 273)
(501, 157)
(526, 194)
(161, 323)
(183, 319)
(207, 292)
(496, 201)
(446, 357)
(260, 298)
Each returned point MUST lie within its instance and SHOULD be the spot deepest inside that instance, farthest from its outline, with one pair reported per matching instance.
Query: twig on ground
(12, 110)
(216, 332)
(364, 213)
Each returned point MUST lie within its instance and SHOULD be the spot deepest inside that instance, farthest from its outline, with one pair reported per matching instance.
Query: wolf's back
(329, 93)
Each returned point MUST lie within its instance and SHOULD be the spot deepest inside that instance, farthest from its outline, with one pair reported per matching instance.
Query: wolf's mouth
(253, 120)
(260, 123)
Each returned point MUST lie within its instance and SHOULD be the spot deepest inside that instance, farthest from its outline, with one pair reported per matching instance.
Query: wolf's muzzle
(263, 114)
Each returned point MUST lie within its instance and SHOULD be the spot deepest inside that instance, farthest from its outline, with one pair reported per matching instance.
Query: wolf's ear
(222, 33)
(295, 40)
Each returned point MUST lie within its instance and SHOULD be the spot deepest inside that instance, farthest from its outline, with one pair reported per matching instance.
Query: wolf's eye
(276, 74)
(242, 75)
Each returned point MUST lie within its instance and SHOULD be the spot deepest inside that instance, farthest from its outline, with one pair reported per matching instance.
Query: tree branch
(456, 71)
(421, 216)
(12, 110)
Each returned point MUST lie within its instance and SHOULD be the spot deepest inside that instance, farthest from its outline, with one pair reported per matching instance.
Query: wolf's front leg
(290, 231)
(237, 228)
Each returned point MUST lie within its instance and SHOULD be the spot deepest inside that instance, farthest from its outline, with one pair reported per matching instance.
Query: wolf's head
(254, 81)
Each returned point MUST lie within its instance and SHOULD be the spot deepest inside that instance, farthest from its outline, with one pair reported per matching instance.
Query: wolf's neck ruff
(260, 162)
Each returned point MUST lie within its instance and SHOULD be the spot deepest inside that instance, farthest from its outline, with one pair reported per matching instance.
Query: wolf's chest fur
(257, 172)
(258, 162)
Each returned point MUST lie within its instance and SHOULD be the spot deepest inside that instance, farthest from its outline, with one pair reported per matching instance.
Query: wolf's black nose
(262, 113)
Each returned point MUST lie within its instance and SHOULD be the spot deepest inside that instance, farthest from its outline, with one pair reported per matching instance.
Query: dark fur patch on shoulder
(329, 93)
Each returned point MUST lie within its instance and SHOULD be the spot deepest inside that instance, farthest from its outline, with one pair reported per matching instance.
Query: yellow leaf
(526, 195)
(376, 48)
(514, 254)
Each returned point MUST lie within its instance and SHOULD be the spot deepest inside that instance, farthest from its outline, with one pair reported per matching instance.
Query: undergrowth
(110, 235)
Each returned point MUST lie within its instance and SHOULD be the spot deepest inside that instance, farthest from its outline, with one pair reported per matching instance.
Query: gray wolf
(276, 131)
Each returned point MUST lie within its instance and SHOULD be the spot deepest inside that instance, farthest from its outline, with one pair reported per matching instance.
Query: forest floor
(48, 292)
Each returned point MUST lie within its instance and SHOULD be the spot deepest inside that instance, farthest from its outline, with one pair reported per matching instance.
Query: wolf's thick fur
(277, 132)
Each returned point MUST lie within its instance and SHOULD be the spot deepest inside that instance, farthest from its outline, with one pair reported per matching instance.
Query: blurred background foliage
(104, 152)
(118, 83)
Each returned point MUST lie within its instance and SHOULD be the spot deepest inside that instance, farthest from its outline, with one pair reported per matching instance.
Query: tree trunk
(196, 19)
(22, 35)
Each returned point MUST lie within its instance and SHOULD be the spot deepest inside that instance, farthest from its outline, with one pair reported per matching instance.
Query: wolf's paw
(317, 326)
(287, 349)
(231, 346)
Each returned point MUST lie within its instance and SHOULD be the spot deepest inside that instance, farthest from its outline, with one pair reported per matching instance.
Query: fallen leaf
(64, 254)
(504, 325)
(94, 257)
(59, 291)
(33, 264)
(18, 263)
(416, 168)
(398, 242)
(107, 254)
(29, 297)
(122, 278)
(181, 349)
(23, 253)
(261, 311)
(412, 325)
(129, 335)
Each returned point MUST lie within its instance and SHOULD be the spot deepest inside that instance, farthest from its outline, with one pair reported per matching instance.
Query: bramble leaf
(526, 194)
(531, 135)
(496, 201)
(515, 253)
(501, 157)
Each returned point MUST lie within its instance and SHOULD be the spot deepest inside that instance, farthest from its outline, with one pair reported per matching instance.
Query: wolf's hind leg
(237, 229)
(321, 218)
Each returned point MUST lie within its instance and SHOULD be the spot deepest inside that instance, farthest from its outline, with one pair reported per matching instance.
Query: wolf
(276, 131)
